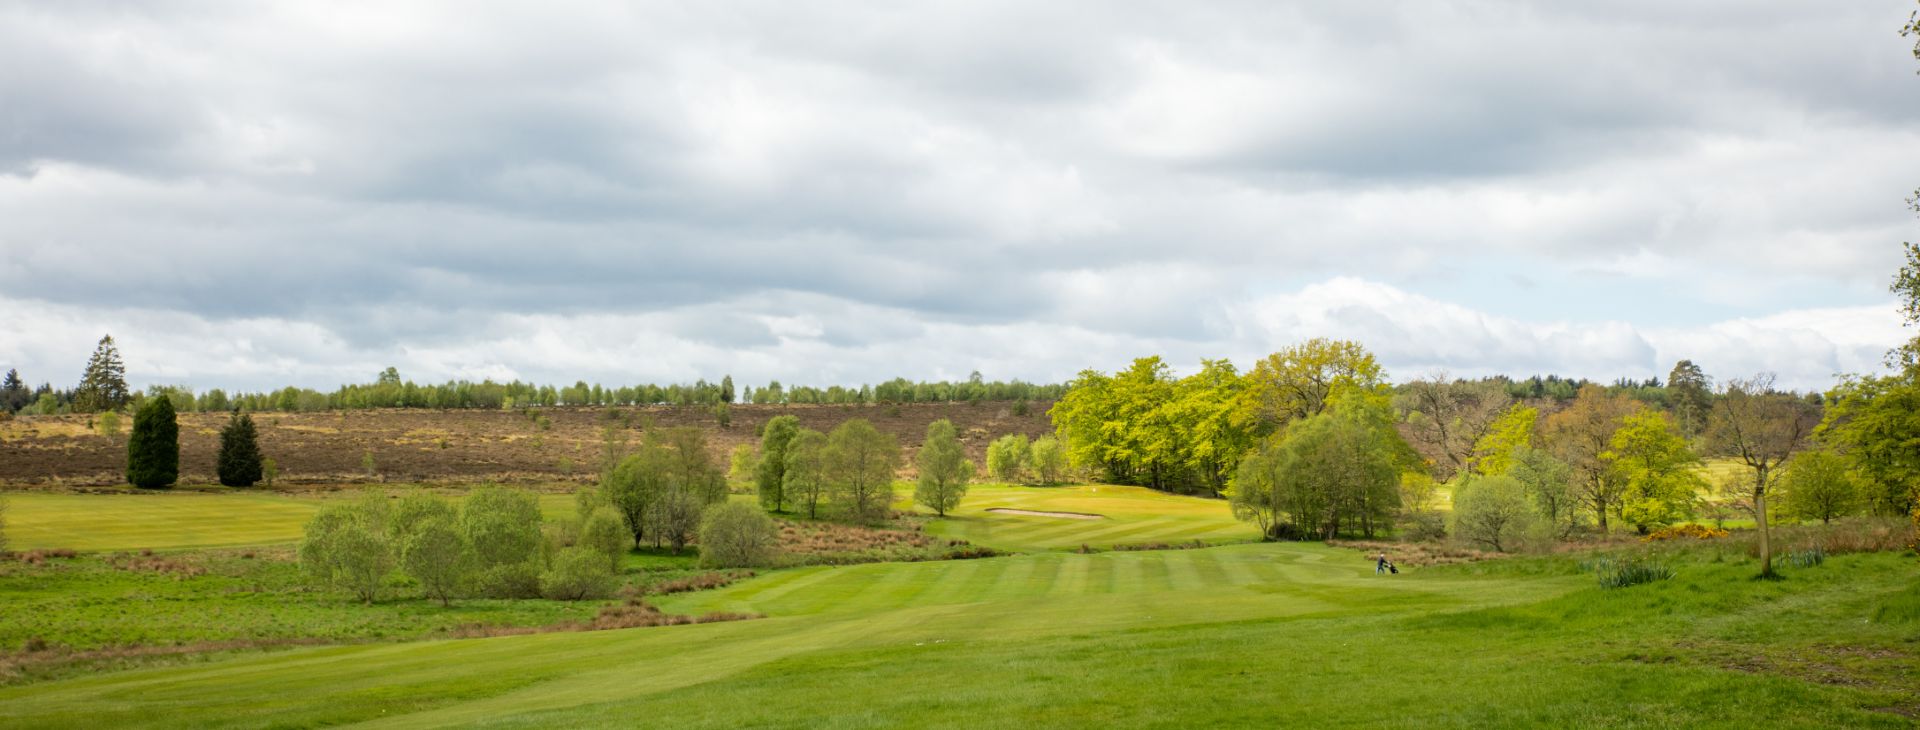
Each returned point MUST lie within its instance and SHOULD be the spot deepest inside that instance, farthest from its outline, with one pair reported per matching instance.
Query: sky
(249, 195)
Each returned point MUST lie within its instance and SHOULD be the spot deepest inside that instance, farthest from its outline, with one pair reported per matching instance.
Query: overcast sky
(252, 194)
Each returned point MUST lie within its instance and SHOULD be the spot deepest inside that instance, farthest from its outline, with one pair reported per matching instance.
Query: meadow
(1241, 633)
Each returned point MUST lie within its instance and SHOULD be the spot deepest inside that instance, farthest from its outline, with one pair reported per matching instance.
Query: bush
(1492, 511)
(435, 554)
(513, 580)
(239, 464)
(1007, 456)
(503, 527)
(153, 452)
(346, 547)
(1629, 571)
(577, 574)
(603, 533)
(736, 535)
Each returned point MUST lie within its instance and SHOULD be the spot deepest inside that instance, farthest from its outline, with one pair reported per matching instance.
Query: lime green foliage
(109, 424)
(1033, 641)
(1127, 516)
(346, 547)
(1821, 485)
(737, 535)
(1144, 426)
(742, 463)
(1652, 461)
(1493, 454)
(1335, 472)
(1493, 512)
(944, 469)
(805, 480)
(1875, 421)
(434, 554)
(502, 526)
(1047, 460)
(153, 451)
(1549, 483)
(603, 533)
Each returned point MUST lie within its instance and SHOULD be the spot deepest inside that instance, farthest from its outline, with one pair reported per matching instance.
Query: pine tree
(239, 452)
(153, 452)
(726, 389)
(105, 385)
(13, 392)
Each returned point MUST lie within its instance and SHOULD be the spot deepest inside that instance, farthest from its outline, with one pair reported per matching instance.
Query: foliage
(1492, 511)
(577, 574)
(1549, 485)
(1513, 430)
(270, 471)
(861, 462)
(735, 535)
(1689, 530)
(153, 451)
(1655, 468)
(503, 527)
(239, 462)
(109, 424)
(1875, 422)
(944, 469)
(104, 385)
(1821, 485)
(346, 547)
(1007, 456)
(770, 475)
(1332, 472)
(435, 554)
(806, 478)
(1622, 572)
(1580, 435)
(1047, 460)
(603, 532)
(1298, 381)
(742, 463)
(1690, 397)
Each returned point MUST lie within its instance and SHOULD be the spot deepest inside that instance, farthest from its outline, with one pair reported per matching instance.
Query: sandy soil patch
(1036, 513)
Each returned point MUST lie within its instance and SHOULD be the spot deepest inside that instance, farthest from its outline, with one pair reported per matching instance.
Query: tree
(1875, 422)
(1549, 483)
(944, 469)
(436, 556)
(1451, 417)
(1492, 511)
(1579, 435)
(14, 394)
(1296, 382)
(239, 464)
(726, 389)
(1821, 485)
(1047, 460)
(1006, 456)
(770, 478)
(415, 510)
(1338, 470)
(1763, 428)
(806, 479)
(860, 463)
(633, 487)
(153, 451)
(736, 535)
(603, 532)
(1513, 431)
(1651, 461)
(503, 526)
(104, 386)
(1689, 394)
(345, 546)
(742, 464)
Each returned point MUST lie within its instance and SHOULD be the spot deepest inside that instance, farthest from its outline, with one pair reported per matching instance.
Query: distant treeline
(103, 392)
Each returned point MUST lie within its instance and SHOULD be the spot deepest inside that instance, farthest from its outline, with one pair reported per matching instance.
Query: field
(1240, 634)
(413, 445)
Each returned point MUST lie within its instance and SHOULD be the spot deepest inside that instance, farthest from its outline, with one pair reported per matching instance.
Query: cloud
(940, 186)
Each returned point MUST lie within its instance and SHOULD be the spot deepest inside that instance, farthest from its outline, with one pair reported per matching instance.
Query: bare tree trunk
(1760, 519)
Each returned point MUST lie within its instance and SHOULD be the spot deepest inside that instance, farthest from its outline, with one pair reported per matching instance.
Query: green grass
(1260, 634)
(177, 519)
(1130, 515)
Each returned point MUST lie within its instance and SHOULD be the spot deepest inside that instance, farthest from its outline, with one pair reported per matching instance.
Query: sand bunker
(1033, 513)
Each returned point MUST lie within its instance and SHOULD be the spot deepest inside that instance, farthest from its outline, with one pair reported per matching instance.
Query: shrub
(345, 547)
(270, 470)
(437, 556)
(1492, 511)
(1007, 456)
(1698, 532)
(1629, 571)
(153, 452)
(736, 535)
(503, 527)
(513, 580)
(109, 424)
(577, 574)
(239, 464)
(604, 534)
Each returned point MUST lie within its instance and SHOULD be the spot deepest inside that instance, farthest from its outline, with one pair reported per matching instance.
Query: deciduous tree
(1007, 456)
(1762, 428)
(807, 479)
(770, 479)
(1492, 511)
(1821, 485)
(944, 469)
(735, 535)
(1655, 468)
(1047, 460)
(861, 462)
(1579, 435)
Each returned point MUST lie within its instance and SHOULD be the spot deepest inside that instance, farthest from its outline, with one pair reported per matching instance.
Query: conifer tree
(239, 452)
(153, 452)
(104, 387)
